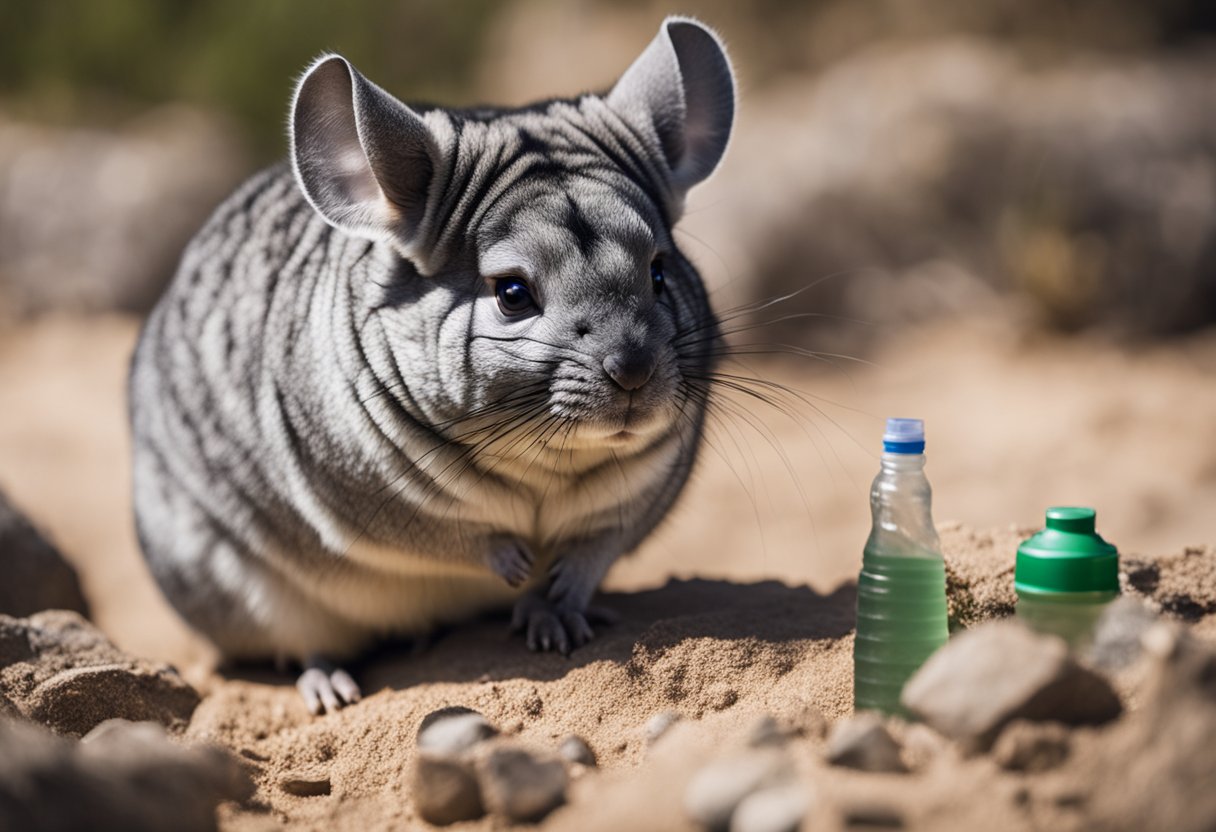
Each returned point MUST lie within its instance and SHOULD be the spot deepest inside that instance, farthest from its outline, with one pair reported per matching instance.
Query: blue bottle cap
(904, 436)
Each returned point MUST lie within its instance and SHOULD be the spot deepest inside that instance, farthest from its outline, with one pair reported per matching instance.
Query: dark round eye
(657, 280)
(514, 296)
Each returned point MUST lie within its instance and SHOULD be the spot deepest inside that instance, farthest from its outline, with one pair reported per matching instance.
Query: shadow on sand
(650, 620)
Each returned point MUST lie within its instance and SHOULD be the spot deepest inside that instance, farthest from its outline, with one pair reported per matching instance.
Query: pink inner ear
(354, 175)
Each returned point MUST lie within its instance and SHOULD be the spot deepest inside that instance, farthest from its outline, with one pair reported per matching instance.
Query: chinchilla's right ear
(364, 160)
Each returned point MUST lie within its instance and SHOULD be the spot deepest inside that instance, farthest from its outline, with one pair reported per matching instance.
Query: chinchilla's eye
(657, 279)
(514, 296)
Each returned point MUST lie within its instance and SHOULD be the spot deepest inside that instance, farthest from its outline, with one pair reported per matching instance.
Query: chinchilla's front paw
(511, 560)
(547, 625)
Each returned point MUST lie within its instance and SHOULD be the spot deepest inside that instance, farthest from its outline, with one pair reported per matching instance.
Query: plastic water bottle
(901, 593)
(1066, 575)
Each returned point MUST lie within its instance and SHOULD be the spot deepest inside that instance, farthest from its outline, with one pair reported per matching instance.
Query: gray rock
(519, 786)
(863, 742)
(1118, 634)
(660, 724)
(127, 199)
(777, 809)
(766, 731)
(574, 749)
(129, 776)
(36, 576)
(987, 677)
(129, 731)
(715, 792)
(872, 815)
(453, 731)
(446, 790)
(922, 745)
(1153, 768)
(1031, 746)
(61, 671)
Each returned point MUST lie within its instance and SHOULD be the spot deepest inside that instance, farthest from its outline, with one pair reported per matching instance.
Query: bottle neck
(901, 503)
(901, 463)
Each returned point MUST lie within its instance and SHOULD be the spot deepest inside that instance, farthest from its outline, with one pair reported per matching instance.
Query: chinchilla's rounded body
(444, 361)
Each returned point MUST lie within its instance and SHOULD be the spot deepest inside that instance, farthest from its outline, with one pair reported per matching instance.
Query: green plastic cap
(1067, 556)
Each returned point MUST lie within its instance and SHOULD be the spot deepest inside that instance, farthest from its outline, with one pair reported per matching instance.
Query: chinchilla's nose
(630, 370)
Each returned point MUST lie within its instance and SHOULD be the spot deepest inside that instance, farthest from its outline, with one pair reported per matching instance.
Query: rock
(660, 724)
(987, 677)
(59, 670)
(863, 742)
(453, 731)
(519, 786)
(718, 788)
(128, 199)
(129, 731)
(872, 815)
(575, 750)
(446, 790)
(777, 809)
(766, 731)
(1153, 768)
(1118, 634)
(36, 576)
(922, 745)
(129, 776)
(1031, 746)
(312, 786)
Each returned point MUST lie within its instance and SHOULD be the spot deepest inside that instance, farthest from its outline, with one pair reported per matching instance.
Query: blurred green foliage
(59, 58)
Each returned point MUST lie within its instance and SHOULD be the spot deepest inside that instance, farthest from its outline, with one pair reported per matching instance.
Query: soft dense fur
(339, 433)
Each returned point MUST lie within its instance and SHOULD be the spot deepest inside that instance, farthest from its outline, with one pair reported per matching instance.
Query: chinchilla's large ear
(681, 91)
(364, 160)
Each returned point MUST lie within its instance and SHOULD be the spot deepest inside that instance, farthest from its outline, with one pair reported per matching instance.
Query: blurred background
(998, 216)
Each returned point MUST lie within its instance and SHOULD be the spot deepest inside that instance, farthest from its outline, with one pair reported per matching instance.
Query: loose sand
(764, 627)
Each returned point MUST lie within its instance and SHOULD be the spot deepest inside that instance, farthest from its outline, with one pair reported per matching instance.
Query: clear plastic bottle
(901, 592)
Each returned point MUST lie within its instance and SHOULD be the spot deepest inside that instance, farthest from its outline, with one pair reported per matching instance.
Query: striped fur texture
(343, 430)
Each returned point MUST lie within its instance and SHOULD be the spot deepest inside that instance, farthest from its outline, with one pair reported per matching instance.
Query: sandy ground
(740, 606)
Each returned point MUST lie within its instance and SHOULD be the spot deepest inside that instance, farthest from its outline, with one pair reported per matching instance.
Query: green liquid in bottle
(901, 621)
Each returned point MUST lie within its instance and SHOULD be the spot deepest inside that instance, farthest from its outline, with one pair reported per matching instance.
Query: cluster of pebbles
(1000, 693)
(465, 769)
(1000, 720)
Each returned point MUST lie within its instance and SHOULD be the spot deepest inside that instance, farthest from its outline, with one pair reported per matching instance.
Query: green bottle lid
(1067, 556)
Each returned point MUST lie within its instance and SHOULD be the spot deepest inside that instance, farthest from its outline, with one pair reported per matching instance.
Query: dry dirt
(741, 606)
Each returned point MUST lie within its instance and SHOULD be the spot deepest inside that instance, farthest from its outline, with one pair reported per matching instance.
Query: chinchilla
(444, 361)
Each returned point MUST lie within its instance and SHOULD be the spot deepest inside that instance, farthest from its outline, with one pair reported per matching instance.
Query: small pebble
(660, 724)
(125, 729)
(521, 787)
(922, 745)
(864, 743)
(575, 750)
(719, 787)
(453, 731)
(1118, 633)
(446, 790)
(777, 809)
(766, 731)
(305, 786)
(872, 816)
(1031, 746)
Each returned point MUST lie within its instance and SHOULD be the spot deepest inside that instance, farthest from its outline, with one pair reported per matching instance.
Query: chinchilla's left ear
(681, 92)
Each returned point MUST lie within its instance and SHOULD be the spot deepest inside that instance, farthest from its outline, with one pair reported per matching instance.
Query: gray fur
(337, 434)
